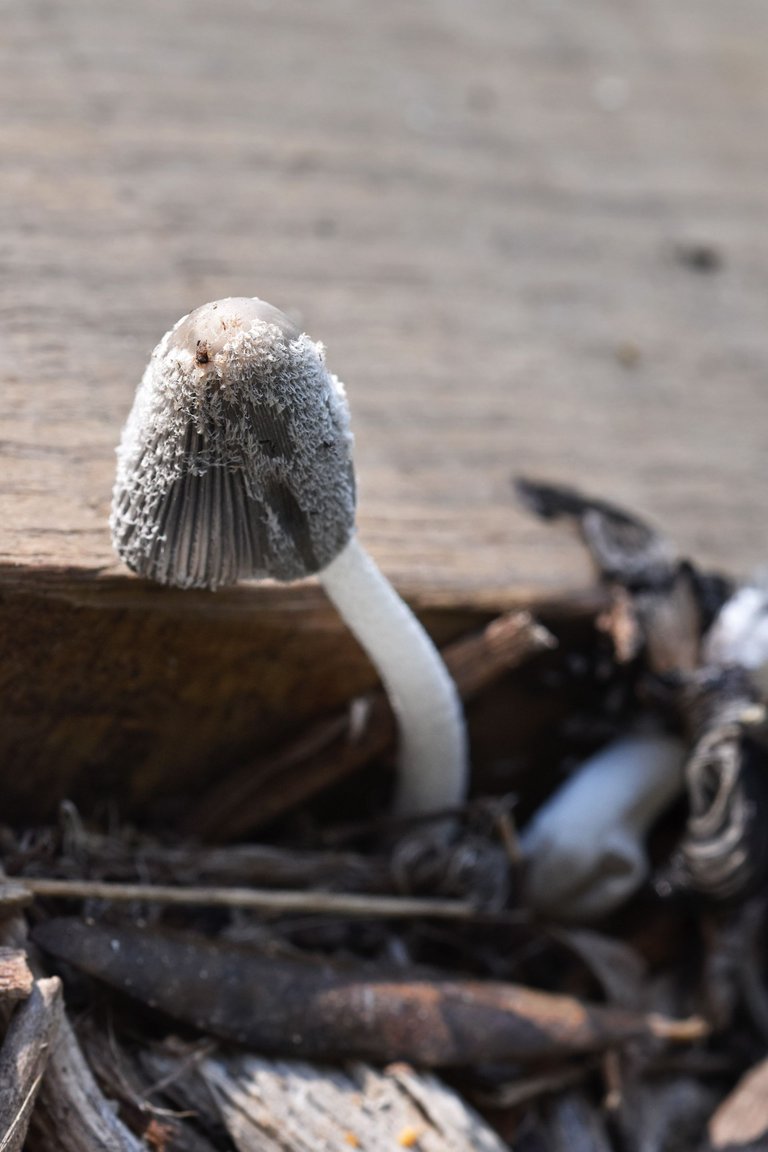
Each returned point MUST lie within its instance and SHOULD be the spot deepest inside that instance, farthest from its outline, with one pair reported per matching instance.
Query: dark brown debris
(573, 1124)
(132, 857)
(349, 937)
(72, 1115)
(143, 1108)
(326, 1011)
(623, 548)
(662, 606)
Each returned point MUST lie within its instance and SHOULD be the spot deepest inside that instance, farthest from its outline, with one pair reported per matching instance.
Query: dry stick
(269, 786)
(523, 1090)
(315, 903)
(315, 1009)
(23, 1058)
(13, 896)
(72, 1115)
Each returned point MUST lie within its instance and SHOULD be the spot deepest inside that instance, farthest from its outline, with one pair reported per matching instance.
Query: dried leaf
(622, 547)
(321, 1010)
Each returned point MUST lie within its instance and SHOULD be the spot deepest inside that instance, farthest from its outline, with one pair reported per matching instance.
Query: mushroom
(235, 463)
(584, 848)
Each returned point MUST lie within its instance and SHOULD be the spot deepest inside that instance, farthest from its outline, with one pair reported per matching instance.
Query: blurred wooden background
(533, 237)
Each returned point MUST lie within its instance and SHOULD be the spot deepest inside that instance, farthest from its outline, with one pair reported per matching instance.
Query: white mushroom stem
(585, 851)
(433, 747)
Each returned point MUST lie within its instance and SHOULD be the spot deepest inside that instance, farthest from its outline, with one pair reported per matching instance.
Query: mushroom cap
(235, 461)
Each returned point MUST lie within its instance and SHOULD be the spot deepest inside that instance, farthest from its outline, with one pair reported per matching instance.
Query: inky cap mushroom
(236, 458)
(235, 463)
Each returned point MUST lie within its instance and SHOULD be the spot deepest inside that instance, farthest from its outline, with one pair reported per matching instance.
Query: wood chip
(23, 1059)
(72, 1114)
(16, 980)
(270, 1106)
(741, 1122)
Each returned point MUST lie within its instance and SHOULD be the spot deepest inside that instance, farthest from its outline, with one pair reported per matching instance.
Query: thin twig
(316, 903)
(679, 1031)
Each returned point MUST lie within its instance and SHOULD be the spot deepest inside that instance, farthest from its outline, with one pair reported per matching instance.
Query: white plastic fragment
(584, 849)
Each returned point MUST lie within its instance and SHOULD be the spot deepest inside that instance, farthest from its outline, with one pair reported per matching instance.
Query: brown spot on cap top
(214, 325)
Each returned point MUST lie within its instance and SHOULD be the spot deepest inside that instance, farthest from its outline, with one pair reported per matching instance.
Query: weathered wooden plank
(72, 1115)
(271, 1105)
(529, 235)
(479, 211)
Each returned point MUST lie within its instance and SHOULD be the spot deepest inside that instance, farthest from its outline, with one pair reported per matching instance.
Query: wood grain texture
(72, 1115)
(477, 208)
(268, 1106)
(24, 1054)
(493, 215)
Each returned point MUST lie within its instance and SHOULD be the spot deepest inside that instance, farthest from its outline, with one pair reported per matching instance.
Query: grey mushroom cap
(235, 461)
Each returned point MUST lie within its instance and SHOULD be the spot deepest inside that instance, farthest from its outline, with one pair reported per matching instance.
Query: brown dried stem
(263, 900)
